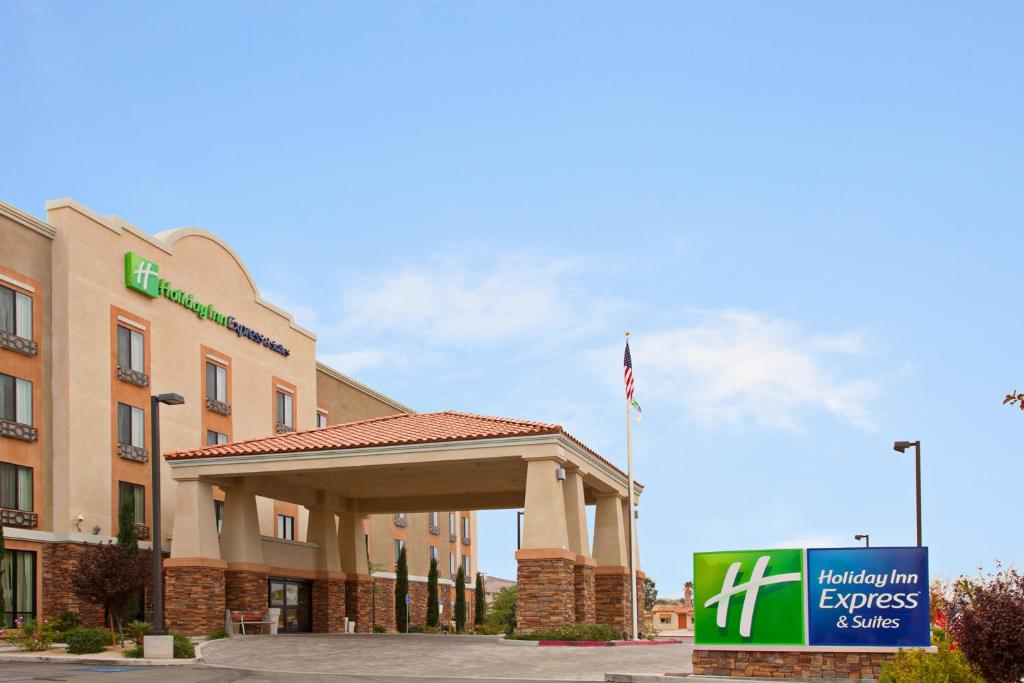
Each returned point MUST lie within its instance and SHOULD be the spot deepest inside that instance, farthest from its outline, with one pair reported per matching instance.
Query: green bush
(84, 640)
(66, 621)
(183, 647)
(489, 629)
(134, 653)
(918, 666)
(219, 634)
(137, 630)
(379, 628)
(35, 636)
(574, 633)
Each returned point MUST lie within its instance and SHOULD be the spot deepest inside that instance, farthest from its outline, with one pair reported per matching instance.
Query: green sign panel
(141, 275)
(749, 597)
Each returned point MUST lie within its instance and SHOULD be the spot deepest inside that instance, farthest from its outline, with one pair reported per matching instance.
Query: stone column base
(545, 597)
(59, 565)
(245, 590)
(583, 589)
(359, 601)
(384, 613)
(329, 604)
(194, 595)
(611, 598)
(794, 664)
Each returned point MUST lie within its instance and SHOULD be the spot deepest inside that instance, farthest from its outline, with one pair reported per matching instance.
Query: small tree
(127, 534)
(460, 600)
(432, 615)
(3, 606)
(503, 610)
(650, 595)
(111, 576)
(401, 590)
(479, 605)
(985, 623)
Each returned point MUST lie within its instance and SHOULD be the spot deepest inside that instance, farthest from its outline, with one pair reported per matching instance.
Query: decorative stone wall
(792, 665)
(358, 602)
(60, 561)
(545, 595)
(611, 601)
(329, 606)
(194, 599)
(418, 607)
(245, 591)
(583, 593)
(384, 613)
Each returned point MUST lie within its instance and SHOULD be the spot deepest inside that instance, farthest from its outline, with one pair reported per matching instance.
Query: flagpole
(632, 516)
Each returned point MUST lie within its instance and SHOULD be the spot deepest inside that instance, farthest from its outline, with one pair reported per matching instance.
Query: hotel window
(286, 527)
(134, 496)
(283, 403)
(465, 566)
(131, 425)
(131, 351)
(15, 399)
(399, 547)
(19, 586)
(451, 563)
(218, 515)
(215, 438)
(216, 382)
(451, 522)
(321, 419)
(15, 313)
(465, 529)
(433, 553)
(15, 487)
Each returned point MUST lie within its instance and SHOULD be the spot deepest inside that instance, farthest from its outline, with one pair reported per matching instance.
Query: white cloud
(731, 365)
(820, 541)
(456, 299)
(351, 362)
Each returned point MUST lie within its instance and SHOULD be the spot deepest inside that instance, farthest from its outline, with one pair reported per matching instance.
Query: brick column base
(194, 598)
(545, 596)
(792, 665)
(611, 598)
(359, 601)
(329, 605)
(583, 589)
(385, 610)
(245, 590)
(60, 564)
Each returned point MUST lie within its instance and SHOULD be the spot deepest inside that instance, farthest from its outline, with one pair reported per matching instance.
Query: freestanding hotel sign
(845, 597)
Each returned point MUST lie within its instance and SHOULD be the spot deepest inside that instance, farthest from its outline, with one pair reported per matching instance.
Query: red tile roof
(394, 430)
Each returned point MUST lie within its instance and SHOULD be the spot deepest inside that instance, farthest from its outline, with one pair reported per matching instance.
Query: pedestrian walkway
(451, 657)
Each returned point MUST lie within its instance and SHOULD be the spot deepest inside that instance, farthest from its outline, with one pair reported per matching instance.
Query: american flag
(627, 370)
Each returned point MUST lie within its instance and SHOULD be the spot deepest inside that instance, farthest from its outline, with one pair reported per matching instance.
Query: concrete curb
(99, 661)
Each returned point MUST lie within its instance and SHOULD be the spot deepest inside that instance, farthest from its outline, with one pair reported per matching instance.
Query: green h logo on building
(141, 274)
(752, 597)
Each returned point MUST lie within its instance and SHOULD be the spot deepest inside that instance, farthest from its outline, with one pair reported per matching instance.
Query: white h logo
(729, 589)
(143, 272)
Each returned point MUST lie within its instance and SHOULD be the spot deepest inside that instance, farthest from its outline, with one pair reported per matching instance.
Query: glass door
(294, 599)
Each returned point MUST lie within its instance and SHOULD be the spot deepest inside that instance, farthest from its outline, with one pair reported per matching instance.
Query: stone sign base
(791, 662)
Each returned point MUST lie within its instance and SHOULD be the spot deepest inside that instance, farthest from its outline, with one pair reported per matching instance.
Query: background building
(82, 348)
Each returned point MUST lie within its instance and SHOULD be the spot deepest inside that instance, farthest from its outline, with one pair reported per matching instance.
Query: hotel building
(96, 316)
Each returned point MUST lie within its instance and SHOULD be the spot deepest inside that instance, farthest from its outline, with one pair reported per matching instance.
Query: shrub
(84, 640)
(134, 653)
(460, 600)
(35, 636)
(183, 647)
(137, 630)
(918, 666)
(489, 629)
(401, 590)
(501, 617)
(479, 604)
(66, 621)
(219, 634)
(573, 632)
(986, 620)
(433, 614)
(379, 628)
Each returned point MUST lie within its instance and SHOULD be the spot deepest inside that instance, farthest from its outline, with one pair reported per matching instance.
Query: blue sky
(808, 215)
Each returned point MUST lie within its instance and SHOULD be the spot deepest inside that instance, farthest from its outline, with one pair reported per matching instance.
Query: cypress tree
(432, 616)
(460, 600)
(401, 590)
(127, 535)
(3, 606)
(479, 606)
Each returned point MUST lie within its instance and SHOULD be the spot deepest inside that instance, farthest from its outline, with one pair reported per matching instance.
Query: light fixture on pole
(863, 537)
(902, 446)
(155, 459)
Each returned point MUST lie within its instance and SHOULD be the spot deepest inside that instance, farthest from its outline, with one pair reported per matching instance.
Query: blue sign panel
(868, 596)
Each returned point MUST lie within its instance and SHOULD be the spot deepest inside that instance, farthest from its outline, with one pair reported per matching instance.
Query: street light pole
(902, 447)
(863, 537)
(155, 458)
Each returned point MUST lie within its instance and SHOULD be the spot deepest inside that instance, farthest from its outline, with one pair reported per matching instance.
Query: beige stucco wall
(89, 279)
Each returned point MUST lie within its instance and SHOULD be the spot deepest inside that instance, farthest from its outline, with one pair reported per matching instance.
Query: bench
(236, 621)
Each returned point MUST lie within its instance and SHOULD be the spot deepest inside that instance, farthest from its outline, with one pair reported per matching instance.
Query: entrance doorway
(295, 600)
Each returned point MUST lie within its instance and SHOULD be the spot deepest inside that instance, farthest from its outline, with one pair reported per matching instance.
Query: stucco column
(355, 565)
(545, 596)
(579, 543)
(194, 574)
(245, 578)
(611, 576)
(329, 584)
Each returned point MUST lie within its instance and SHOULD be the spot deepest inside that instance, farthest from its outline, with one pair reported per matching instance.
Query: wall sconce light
(560, 474)
(95, 531)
